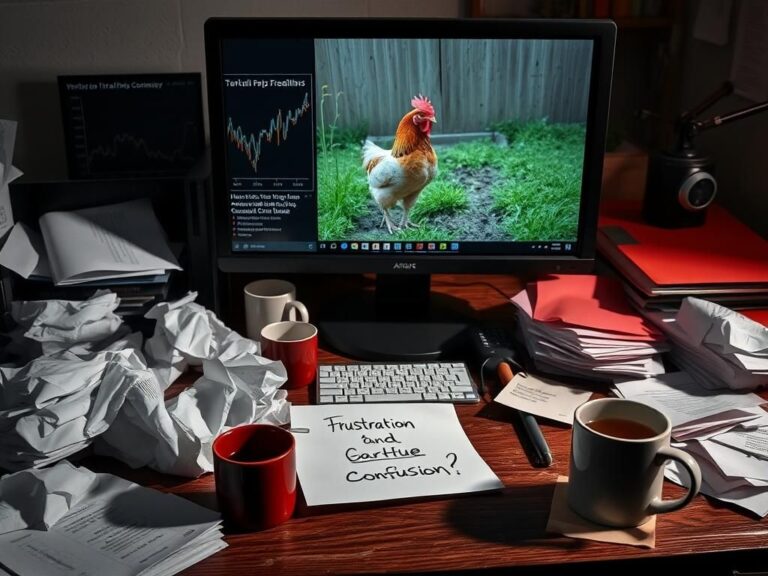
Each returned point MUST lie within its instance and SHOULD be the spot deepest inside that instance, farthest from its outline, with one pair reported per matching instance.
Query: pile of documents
(582, 325)
(725, 431)
(120, 246)
(719, 347)
(65, 520)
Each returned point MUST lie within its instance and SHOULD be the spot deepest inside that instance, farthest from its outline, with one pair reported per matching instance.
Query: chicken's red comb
(423, 104)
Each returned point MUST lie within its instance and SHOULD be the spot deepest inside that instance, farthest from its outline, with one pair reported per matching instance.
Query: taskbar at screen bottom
(241, 246)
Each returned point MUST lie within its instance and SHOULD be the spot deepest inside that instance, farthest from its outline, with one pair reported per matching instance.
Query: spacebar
(392, 397)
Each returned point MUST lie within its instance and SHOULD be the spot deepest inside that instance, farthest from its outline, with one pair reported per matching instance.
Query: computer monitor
(405, 148)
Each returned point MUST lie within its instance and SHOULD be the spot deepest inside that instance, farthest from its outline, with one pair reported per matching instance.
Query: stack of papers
(582, 325)
(101, 243)
(67, 520)
(725, 431)
(718, 346)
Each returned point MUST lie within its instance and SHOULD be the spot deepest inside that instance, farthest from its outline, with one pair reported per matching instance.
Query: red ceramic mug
(295, 345)
(254, 466)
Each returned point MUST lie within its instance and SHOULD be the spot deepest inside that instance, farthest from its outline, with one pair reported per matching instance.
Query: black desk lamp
(680, 184)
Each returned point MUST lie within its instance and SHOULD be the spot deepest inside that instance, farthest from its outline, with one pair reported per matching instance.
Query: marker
(542, 455)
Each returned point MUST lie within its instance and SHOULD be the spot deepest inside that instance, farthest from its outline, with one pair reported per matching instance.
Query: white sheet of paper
(39, 498)
(542, 397)
(24, 252)
(364, 453)
(682, 399)
(120, 529)
(8, 172)
(735, 463)
(751, 441)
(737, 491)
(105, 242)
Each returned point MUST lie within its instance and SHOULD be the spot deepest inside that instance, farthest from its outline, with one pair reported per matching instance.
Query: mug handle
(657, 505)
(292, 307)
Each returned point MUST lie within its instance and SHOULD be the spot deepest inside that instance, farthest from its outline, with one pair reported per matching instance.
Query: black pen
(542, 456)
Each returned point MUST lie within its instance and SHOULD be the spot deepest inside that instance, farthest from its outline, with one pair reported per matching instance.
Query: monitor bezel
(601, 32)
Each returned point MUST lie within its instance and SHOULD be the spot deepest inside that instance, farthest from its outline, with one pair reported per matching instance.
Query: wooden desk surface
(502, 530)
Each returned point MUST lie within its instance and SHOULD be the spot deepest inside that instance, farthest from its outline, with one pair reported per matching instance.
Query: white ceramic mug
(269, 301)
(618, 451)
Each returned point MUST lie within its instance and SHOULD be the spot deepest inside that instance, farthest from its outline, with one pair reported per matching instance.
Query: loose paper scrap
(8, 173)
(542, 397)
(365, 453)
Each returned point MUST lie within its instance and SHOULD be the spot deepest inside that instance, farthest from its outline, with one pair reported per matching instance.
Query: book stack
(119, 247)
(722, 261)
(583, 326)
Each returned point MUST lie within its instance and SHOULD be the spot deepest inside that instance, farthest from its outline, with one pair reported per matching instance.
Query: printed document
(119, 529)
(106, 242)
(689, 406)
(348, 454)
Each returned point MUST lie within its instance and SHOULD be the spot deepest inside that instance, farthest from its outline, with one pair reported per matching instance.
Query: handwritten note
(364, 453)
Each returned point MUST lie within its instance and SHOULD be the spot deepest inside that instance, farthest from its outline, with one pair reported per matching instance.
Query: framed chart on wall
(117, 126)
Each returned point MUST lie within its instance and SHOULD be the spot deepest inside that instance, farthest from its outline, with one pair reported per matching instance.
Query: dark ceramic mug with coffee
(618, 451)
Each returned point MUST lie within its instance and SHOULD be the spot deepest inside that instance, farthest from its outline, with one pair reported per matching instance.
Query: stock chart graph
(130, 125)
(269, 131)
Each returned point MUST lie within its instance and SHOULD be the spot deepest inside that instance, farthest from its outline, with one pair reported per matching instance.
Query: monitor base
(409, 341)
(400, 320)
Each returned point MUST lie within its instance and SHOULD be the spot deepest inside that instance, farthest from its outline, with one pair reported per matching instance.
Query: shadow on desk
(512, 515)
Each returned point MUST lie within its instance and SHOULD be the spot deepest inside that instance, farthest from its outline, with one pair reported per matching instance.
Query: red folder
(595, 302)
(721, 252)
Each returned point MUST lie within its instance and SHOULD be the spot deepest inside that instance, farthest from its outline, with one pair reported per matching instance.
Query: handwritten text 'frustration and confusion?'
(379, 442)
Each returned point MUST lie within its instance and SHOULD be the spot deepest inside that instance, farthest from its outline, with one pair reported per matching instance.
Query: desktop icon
(364, 246)
(375, 246)
(454, 245)
(386, 246)
(443, 246)
(431, 246)
(419, 246)
(344, 245)
(398, 246)
(354, 246)
(567, 246)
(408, 246)
(333, 245)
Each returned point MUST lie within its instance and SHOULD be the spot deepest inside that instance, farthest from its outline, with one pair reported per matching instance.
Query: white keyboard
(411, 382)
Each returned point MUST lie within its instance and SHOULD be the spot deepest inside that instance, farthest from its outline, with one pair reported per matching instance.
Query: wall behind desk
(740, 149)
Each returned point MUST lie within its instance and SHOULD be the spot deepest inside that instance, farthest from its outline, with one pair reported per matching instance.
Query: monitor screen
(428, 146)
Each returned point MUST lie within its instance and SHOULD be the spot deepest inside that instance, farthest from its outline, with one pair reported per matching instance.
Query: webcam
(681, 183)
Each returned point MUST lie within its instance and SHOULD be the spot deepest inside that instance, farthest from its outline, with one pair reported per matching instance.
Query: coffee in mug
(620, 428)
(618, 451)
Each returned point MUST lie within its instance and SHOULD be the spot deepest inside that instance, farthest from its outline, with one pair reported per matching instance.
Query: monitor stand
(401, 320)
